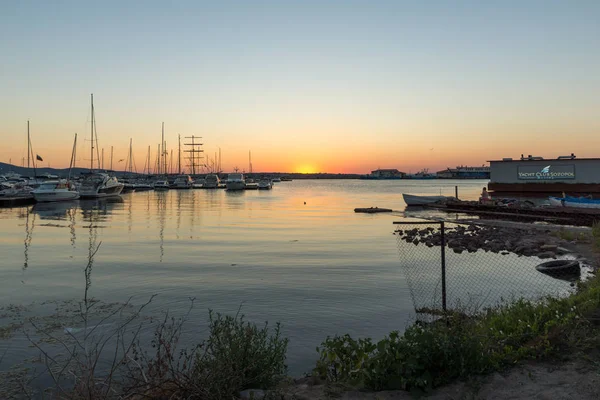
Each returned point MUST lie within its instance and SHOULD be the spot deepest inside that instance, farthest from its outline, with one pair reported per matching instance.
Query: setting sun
(306, 169)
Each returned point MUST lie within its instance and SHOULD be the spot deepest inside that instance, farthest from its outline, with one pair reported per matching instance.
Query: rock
(546, 254)
(415, 242)
(562, 251)
(528, 252)
(458, 250)
(505, 253)
(454, 243)
(548, 247)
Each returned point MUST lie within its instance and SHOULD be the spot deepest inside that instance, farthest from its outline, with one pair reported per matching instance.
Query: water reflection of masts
(71, 213)
(130, 216)
(161, 210)
(28, 236)
(178, 213)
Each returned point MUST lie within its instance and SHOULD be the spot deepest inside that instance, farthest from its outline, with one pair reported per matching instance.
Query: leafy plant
(456, 346)
(239, 355)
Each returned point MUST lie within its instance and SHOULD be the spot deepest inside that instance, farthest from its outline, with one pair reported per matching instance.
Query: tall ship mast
(195, 153)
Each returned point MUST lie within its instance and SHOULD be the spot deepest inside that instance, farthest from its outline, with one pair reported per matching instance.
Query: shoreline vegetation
(110, 357)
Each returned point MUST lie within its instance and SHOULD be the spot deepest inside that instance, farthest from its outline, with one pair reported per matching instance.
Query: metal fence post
(443, 246)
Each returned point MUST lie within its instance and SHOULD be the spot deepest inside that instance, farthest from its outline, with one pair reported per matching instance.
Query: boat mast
(92, 136)
(194, 148)
(148, 161)
(73, 155)
(28, 144)
(158, 161)
(130, 159)
(111, 157)
(30, 152)
(162, 150)
(102, 158)
(179, 154)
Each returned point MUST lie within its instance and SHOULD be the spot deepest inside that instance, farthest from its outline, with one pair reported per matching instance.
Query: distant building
(465, 172)
(385, 174)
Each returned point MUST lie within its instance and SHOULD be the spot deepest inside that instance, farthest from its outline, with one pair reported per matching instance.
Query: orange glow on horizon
(306, 169)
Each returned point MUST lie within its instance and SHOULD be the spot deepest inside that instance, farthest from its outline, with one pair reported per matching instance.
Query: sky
(306, 86)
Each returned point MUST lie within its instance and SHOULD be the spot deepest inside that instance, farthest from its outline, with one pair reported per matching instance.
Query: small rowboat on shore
(574, 202)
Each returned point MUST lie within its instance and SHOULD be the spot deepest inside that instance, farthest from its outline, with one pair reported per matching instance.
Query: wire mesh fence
(468, 267)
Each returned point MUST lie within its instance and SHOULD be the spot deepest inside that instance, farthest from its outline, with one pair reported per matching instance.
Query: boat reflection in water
(95, 210)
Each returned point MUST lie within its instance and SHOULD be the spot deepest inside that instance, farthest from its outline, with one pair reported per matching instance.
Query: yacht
(55, 191)
(236, 181)
(265, 184)
(161, 185)
(142, 186)
(183, 182)
(211, 181)
(16, 189)
(100, 184)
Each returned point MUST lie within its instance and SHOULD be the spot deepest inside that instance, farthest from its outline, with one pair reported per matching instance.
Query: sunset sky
(307, 86)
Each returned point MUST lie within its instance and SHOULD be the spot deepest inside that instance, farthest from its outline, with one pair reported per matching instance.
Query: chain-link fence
(470, 267)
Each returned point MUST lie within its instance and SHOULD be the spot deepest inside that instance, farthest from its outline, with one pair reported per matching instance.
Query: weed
(429, 355)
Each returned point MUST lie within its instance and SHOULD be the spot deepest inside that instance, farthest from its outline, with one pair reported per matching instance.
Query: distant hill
(63, 173)
(24, 171)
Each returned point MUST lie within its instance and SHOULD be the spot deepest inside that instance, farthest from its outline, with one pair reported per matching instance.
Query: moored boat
(161, 185)
(183, 182)
(142, 187)
(61, 190)
(574, 202)
(265, 184)
(414, 200)
(100, 184)
(236, 181)
(211, 181)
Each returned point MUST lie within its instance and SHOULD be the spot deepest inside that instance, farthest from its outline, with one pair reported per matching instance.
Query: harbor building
(465, 172)
(385, 174)
(537, 175)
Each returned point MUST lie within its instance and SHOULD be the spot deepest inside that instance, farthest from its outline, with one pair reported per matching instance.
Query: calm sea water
(297, 254)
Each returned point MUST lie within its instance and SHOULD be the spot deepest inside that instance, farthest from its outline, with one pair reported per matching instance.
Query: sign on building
(546, 173)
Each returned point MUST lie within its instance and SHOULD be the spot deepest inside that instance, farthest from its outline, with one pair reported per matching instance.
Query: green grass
(430, 355)
(569, 235)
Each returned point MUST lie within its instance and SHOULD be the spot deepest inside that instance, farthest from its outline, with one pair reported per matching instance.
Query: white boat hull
(44, 197)
(413, 200)
(102, 193)
(559, 202)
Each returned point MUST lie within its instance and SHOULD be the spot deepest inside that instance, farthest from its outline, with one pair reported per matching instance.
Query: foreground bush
(456, 346)
(237, 355)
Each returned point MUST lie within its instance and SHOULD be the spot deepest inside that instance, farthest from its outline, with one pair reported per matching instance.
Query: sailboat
(98, 184)
(129, 185)
(58, 190)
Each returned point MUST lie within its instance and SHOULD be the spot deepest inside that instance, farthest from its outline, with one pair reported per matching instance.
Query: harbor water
(297, 254)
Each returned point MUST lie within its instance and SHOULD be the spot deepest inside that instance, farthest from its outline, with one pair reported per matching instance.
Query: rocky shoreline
(472, 238)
